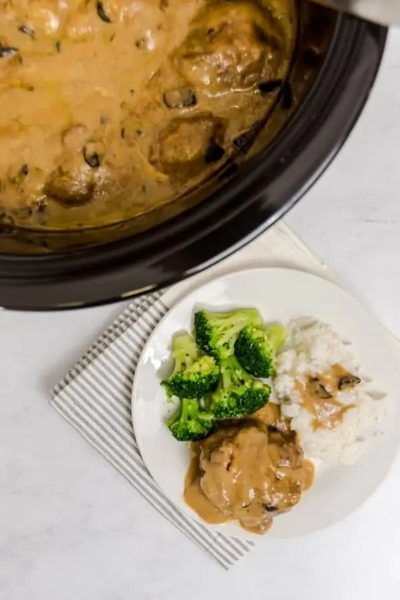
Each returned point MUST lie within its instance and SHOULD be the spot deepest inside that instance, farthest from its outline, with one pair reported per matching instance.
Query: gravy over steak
(111, 108)
(248, 471)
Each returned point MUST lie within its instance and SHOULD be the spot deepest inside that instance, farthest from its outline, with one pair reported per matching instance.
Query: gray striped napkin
(95, 397)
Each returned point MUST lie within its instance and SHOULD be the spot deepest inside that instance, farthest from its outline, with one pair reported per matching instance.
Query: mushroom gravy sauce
(249, 471)
(111, 108)
(320, 395)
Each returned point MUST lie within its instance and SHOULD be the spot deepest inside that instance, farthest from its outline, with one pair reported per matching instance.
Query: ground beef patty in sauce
(249, 470)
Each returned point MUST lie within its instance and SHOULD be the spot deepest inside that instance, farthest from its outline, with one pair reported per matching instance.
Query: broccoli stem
(277, 335)
(184, 351)
(226, 377)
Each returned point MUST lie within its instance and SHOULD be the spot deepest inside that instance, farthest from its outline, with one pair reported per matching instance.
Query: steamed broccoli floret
(256, 349)
(190, 422)
(216, 333)
(237, 395)
(193, 375)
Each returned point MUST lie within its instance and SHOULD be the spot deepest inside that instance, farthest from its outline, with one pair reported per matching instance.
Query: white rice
(312, 348)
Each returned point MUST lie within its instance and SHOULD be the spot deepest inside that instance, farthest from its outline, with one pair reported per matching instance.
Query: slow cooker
(334, 67)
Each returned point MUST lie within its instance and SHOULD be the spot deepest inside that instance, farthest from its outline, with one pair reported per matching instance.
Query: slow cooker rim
(13, 267)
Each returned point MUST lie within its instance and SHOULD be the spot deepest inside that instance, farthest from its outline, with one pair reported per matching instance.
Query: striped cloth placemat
(95, 397)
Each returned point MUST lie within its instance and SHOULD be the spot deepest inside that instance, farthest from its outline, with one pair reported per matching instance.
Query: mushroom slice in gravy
(320, 395)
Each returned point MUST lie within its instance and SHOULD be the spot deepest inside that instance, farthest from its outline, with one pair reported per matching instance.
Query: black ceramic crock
(40, 271)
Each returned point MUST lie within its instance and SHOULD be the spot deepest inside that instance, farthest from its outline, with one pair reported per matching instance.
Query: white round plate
(280, 295)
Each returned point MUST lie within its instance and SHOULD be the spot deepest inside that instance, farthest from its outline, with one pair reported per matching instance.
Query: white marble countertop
(72, 528)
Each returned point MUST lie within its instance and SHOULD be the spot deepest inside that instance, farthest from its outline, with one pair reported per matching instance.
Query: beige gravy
(319, 396)
(248, 473)
(110, 109)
